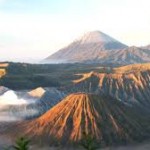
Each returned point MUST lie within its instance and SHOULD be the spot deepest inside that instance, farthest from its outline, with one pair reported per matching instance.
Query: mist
(13, 108)
(6, 117)
(10, 98)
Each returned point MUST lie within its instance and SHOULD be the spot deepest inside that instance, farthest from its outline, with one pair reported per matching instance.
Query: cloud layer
(14, 109)
(10, 98)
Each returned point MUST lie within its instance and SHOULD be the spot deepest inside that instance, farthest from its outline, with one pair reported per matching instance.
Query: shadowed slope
(107, 120)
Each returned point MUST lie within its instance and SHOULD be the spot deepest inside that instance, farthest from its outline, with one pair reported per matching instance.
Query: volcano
(98, 47)
(90, 47)
(107, 120)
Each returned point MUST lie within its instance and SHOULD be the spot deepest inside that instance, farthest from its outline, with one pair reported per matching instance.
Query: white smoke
(13, 108)
(10, 98)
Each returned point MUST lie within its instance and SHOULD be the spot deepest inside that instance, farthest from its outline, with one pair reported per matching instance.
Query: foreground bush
(21, 144)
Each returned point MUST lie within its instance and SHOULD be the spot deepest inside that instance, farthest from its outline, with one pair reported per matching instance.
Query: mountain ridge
(87, 46)
(98, 47)
(129, 84)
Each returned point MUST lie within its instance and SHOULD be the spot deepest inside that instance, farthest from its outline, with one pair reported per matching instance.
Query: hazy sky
(37, 28)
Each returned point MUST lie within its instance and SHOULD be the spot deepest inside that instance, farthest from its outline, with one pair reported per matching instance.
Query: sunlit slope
(107, 120)
(132, 68)
(38, 92)
(3, 67)
(129, 83)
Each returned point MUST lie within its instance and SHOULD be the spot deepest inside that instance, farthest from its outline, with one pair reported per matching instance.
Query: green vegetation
(88, 142)
(21, 144)
(6, 148)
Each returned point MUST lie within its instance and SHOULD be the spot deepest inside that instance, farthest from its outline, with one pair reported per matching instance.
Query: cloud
(10, 98)
(14, 109)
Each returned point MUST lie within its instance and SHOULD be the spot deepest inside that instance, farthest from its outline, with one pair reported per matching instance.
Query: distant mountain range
(97, 47)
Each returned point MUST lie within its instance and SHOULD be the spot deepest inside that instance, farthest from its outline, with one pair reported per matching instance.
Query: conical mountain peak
(88, 48)
(96, 37)
(80, 113)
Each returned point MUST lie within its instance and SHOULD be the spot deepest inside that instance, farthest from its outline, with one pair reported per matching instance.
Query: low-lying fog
(10, 98)
(13, 108)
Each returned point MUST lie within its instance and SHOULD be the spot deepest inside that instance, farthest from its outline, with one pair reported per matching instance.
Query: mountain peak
(96, 37)
(88, 48)
(79, 113)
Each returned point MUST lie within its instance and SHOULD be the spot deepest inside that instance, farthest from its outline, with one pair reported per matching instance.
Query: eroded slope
(129, 84)
(107, 120)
